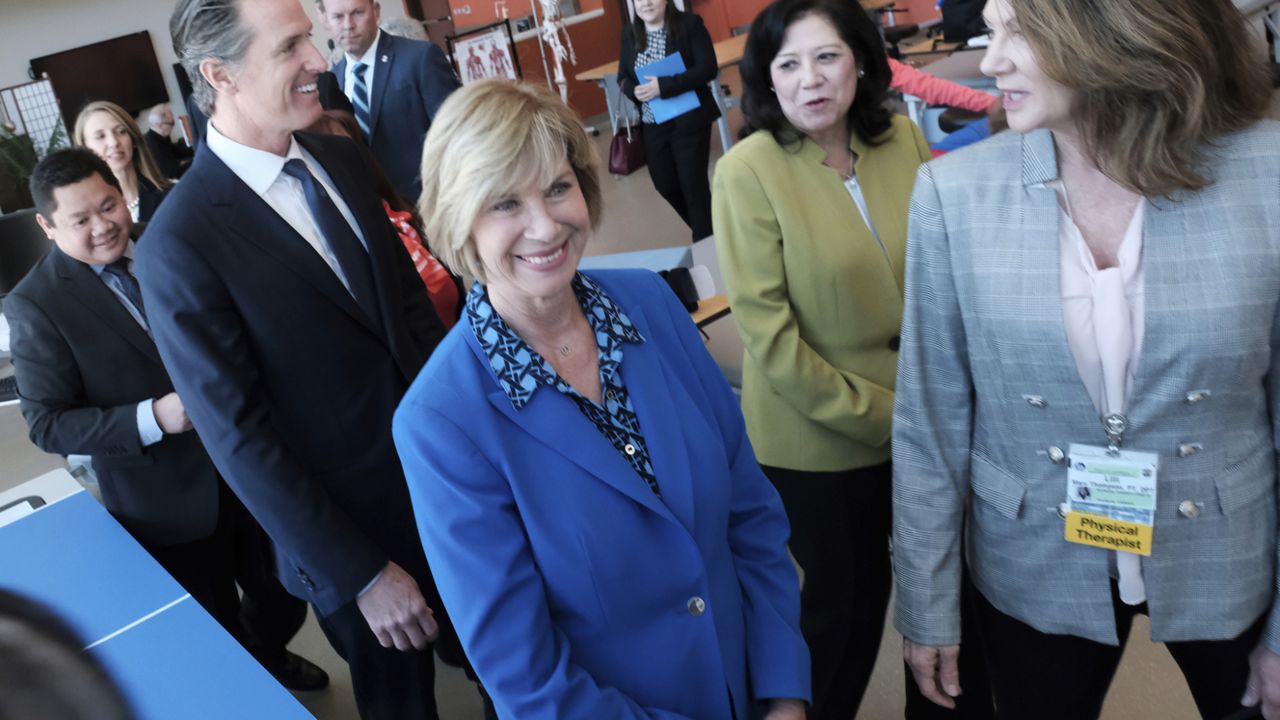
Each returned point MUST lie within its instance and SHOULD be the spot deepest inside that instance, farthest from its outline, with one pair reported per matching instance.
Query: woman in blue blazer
(587, 496)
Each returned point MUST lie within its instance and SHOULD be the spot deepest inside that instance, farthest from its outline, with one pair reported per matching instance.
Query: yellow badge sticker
(1102, 532)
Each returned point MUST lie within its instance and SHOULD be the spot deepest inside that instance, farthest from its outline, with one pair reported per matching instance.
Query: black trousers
(1051, 677)
(840, 528)
(677, 163)
(391, 684)
(238, 552)
(840, 523)
(975, 701)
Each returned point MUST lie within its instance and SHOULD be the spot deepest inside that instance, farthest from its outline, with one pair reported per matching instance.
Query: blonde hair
(1155, 81)
(143, 164)
(489, 137)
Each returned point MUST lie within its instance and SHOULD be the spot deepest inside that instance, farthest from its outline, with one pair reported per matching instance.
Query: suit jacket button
(1189, 449)
(1056, 456)
(629, 449)
(1196, 396)
(894, 343)
(1189, 509)
(697, 606)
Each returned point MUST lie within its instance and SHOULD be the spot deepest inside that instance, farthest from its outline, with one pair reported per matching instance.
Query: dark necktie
(126, 283)
(360, 98)
(342, 241)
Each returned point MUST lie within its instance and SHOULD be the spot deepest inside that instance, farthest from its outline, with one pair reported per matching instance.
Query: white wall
(34, 28)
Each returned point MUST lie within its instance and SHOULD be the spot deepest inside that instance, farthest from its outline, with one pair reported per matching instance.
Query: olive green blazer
(816, 299)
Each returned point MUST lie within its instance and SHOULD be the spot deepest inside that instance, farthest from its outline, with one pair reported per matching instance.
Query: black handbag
(681, 283)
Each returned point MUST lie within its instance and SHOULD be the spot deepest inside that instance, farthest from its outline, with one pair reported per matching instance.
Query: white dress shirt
(263, 172)
(149, 432)
(369, 58)
(1103, 312)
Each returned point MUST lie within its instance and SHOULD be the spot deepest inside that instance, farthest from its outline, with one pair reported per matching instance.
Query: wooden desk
(728, 53)
(713, 308)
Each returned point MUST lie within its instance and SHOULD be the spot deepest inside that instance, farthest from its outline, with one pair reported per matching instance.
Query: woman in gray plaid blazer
(1116, 254)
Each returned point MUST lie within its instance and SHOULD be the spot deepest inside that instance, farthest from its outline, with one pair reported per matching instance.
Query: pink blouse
(1102, 311)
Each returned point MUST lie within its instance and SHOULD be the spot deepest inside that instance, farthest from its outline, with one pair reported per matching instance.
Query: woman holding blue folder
(676, 106)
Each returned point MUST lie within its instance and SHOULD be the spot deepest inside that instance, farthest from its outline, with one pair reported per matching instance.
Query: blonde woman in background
(105, 128)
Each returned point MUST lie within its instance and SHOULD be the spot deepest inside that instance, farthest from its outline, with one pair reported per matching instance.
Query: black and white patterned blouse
(653, 52)
(521, 370)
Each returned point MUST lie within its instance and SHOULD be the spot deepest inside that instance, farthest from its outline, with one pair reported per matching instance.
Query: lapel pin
(385, 58)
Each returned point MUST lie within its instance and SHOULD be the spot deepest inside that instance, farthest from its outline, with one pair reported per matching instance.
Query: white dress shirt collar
(257, 168)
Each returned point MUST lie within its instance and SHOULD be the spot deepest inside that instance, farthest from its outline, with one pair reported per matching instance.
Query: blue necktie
(341, 239)
(360, 98)
(126, 283)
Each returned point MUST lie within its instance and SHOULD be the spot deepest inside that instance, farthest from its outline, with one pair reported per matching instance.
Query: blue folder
(664, 109)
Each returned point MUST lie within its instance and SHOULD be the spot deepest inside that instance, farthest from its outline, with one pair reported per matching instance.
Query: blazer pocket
(1248, 478)
(999, 489)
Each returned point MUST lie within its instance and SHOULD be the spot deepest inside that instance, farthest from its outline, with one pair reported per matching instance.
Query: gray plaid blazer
(987, 385)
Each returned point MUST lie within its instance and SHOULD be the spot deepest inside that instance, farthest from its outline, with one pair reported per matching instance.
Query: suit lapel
(651, 393)
(88, 289)
(249, 216)
(386, 62)
(340, 72)
(553, 420)
(1038, 281)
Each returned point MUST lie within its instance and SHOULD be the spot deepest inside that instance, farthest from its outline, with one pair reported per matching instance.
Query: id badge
(1111, 499)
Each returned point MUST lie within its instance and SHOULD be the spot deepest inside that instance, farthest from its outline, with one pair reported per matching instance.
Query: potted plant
(18, 158)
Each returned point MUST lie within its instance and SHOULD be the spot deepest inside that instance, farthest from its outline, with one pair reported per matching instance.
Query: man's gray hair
(207, 29)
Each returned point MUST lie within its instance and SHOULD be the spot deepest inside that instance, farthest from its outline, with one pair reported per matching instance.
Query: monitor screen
(22, 244)
(123, 70)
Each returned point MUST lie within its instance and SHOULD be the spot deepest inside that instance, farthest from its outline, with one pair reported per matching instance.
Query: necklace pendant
(564, 351)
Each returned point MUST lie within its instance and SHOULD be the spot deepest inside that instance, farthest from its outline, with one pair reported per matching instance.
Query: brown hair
(143, 164)
(1154, 81)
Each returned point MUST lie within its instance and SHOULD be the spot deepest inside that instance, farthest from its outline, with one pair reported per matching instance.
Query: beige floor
(1148, 684)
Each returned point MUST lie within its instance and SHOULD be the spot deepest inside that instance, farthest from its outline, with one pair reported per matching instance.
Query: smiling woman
(810, 213)
(109, 131)
(589, 500)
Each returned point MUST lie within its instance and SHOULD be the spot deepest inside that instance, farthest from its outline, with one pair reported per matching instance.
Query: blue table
(169, 656)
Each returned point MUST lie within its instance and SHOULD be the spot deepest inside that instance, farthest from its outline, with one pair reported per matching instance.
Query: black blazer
(172, 158)
(693, 42)
(83, 364)
(289, 382)
(149, 199)
(412, 80)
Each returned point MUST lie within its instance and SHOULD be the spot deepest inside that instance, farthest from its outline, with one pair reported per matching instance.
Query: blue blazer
(411, 81)
(576, 591)
(290, 385)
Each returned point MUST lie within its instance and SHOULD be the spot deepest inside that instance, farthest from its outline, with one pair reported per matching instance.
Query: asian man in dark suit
(292, 320)
(395, 84)
(91, 382)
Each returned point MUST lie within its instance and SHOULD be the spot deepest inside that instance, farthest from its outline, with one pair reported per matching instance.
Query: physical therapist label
(1111, 498)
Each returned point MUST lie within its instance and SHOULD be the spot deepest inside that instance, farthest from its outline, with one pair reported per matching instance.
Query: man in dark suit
(395, 84)
(292, 320)
(91, 382)
(172, 158)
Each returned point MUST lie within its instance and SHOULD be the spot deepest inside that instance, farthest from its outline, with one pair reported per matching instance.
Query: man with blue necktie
(395, 84)
(292, 320)
(91, 382)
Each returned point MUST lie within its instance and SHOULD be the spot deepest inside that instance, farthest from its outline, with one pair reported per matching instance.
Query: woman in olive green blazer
(817, 295)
